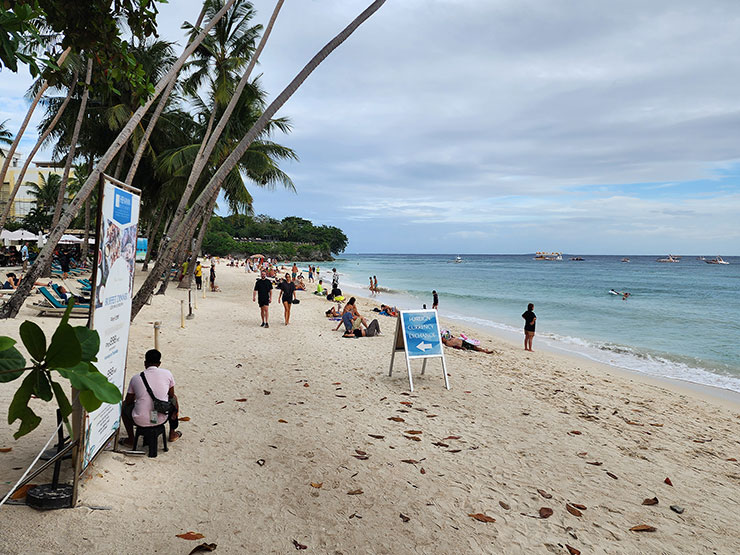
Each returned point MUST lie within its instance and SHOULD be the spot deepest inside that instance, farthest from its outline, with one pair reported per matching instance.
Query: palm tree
(45, 192)
(6, 137)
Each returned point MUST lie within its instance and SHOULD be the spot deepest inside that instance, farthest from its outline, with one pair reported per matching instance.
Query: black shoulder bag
(160, 406)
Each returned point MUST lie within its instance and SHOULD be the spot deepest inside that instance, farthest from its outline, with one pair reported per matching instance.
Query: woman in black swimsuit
(287, 293)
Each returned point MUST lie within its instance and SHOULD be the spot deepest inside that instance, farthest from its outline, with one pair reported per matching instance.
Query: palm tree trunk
(13, 305)
(86, 236)
(121, 160)
(37, 146)
(73, 144)
(211, 139)
(19, 135)
(165, 258)
(155, 117)
(199, 239)
(157, 237)
(181, 250)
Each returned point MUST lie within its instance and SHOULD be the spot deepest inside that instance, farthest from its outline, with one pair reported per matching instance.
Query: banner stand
(418, 336)
(121, 208)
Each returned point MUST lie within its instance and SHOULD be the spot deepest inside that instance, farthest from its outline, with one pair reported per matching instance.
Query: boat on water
(576, 258)
(716, 260)
(550, 256)
(625, 260)
(458, 260)
(670, 259)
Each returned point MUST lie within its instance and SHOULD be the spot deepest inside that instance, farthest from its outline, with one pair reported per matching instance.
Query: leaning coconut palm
(198, 207)
(6, 137)
(13, 305)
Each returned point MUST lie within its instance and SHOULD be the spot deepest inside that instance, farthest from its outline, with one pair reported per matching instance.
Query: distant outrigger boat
(576, 258)
(717, 260)
(548, 256)
(458, 260)
(625, 260)
(671, 259)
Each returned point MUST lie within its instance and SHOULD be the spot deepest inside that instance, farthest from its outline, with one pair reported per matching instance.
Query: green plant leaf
(62, 399)
(6, 342)
(89, 343)
(11, 359)
(65, 316)
(89, 401)
(64, 350)
(33, 339)
(19, 408)
(41, 386)
(84, 376)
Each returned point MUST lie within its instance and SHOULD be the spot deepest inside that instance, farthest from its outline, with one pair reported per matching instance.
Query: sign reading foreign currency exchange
(417, 334)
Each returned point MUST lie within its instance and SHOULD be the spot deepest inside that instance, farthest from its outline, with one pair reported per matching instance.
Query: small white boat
(458, 260)
(550, 256)
(717, 260)
(670, 259)
(625, 260)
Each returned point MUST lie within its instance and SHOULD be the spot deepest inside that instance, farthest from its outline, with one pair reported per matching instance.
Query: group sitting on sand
(355, 325)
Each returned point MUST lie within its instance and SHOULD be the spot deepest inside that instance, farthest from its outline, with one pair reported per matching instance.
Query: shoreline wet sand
(296, 433)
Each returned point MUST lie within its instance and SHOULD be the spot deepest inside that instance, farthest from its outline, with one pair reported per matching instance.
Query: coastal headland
(297, 437)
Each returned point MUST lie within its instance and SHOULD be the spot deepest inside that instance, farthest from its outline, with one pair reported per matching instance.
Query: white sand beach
(298, 437)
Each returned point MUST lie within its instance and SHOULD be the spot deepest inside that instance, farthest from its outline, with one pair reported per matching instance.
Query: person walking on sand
(372, 289)
(263, 290)
(529, 323)
(212, 277)
(435, 300)
(287, 294)
(24, 257)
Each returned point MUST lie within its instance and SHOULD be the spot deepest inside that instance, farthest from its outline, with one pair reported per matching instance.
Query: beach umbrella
(257, 256)
(69, 239)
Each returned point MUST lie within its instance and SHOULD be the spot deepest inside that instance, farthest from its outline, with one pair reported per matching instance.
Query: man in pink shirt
(138, 406)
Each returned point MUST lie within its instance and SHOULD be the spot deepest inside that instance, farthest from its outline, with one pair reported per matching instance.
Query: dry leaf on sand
(668, 481)
(404, 517)
(184, 419)
(5, 449)
(410, 461)
(579, 506)
(299, 546)
(643, 528)
(190, 536)
(396, 419)
(504, 505)
(544, 494)
(355, 492)
(612, 475)
(283, 421)
(376, 436)
(413, 432)
(317, 485)
(572, 550)
(545, 512)
(572, 510)
(413, 438)
(650, 501)
(481, 517)
(242, 400)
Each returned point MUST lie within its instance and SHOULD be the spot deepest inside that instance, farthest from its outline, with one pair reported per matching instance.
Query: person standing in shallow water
(529, 322)
(435, 300)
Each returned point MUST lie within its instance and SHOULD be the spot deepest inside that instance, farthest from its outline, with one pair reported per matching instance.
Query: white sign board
(418, 336)
(112, 294)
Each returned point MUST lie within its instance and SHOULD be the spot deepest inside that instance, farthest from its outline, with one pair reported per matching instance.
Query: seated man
(138, 406)
(320, 289)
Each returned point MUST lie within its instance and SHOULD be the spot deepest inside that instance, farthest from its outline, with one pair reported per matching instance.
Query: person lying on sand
(138, 406)
(459, 343)
(332, 313)
(372, 330)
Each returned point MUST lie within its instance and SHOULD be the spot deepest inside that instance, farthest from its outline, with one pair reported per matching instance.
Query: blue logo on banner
(122, 206)
(421, 334)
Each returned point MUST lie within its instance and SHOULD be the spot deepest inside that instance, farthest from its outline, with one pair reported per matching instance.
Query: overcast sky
(505, 126)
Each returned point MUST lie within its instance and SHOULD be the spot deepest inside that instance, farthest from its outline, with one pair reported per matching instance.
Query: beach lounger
(54, 307)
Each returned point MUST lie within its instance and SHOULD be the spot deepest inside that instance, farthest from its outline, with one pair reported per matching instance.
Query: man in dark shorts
(529, 323)
(435, 300)
(263, 289)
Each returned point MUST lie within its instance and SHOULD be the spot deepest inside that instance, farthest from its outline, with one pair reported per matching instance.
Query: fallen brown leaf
(21, 492)
(579, 506)
(643, 528)
(219, 402)
(190, 536)
(612, 476)
(407, 403)
(575, 432)
(283, 421)
(299, 546)
(650, 501)
(410, 461)
(572, 550)
(355, 492)
(337, 383)
(305, 384)
(361, 457)
(204, 547)
(545, 512)
(184, 419)
(404, 517)
(266, 392)
(240, 400)
(668, 481)
(376, 436)
(396, 419)
(5, 449)
(440, 444)
(454, 450)
(504, 506)
(451, 437)
(413, 432)
(595, 463)
(583, 454)
(413, 438)
(544, 494)
(656, 425)
(431, 416)
(360, 452)
(422, 471)
(572, 510)
(317, 485)
(632, 423)
(481, 517)
(731, 460)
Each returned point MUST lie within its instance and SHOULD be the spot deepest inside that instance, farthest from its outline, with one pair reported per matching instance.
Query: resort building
(24, 200)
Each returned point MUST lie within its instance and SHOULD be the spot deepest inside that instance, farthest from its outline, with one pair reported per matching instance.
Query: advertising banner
(112, 294)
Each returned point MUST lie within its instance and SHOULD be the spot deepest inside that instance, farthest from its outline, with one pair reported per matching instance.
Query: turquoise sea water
(682, 320)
